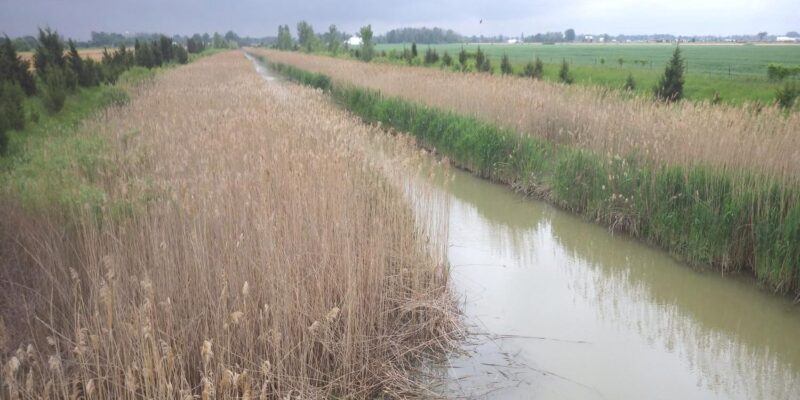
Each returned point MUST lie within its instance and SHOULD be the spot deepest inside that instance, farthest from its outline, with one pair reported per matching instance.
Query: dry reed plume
(759, 139)
(250, 248)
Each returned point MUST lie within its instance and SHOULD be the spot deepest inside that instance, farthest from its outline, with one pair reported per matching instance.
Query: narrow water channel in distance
(569, 311)
(563, 309)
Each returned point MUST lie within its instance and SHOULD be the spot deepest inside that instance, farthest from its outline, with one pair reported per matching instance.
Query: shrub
(367, 45)
(505, 66)
(630, 83)
(486, 66)
(164, 46)
(55, 90)
(195, 44)
(12, 114)
(90, 74)
(74, 61)
(431, 57)
(114, 96)
(414, 53)
(538, 68)
(482, 63)
(50, 52)
(563, 74)
(528, 70)
(181, 55)
(670, 87)
(480, 58)
(136, 75)
(14, 69)
(787, 95)
(462, 59)
(778, 72)
(447, 60)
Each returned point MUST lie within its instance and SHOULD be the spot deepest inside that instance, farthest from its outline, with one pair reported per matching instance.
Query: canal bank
(561, 308)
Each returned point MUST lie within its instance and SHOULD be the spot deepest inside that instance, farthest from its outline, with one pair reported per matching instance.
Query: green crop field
(738, 73)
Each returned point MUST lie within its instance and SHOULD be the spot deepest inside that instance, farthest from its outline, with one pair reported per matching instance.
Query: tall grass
(753, 137)
(733, 219)
(264, 254)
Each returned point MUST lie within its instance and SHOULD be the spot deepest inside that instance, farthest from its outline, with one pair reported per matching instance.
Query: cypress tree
(538, 68)
(563, 74)
(505, 66)
(630, 83)
(462, 58)
(14, 69)
(49, 53)
(670, 86)
(480, 60)
(75, 63)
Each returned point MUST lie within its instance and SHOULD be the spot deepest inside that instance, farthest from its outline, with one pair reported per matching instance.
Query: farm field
(94, 54)
(228, 239)
(738, 73)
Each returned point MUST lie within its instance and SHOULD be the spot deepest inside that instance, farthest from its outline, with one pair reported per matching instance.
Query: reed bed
(249, 246)
(733, 219)
(753, 137)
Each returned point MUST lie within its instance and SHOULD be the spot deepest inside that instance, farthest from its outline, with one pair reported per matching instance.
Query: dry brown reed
(753, 137)
(250, 248)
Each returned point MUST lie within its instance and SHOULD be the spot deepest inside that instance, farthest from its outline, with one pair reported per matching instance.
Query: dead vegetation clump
(249, 247)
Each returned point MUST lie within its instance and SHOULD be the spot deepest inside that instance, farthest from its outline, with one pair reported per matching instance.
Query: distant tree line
(113, 40)
(420, 35)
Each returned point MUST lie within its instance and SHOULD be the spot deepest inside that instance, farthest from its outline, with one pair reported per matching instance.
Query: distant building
(354, 41)
(786, 39)
(588, 38)
(512, 41)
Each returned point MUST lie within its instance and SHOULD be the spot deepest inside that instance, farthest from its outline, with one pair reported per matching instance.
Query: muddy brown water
(563, 309)
(559, 308)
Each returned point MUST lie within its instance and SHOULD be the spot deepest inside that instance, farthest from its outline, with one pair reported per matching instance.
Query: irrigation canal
(563, 309)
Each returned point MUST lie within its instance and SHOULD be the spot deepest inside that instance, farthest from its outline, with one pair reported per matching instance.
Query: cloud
(259, 17)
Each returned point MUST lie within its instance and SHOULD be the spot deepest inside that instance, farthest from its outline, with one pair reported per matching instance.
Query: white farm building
(354, 41)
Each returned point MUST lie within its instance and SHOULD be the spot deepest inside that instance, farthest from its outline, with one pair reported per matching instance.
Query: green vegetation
(731, 220)
(367, 47)
(284, 38)
(735, 73)
(319, 81)
(670, 86)
(333, 40)
(49, 164)
(505, 66)
(534, 69)
(630, 84)
(306, 38)
(787, 95)
(778, 72)
(12, 114)
(564, 76)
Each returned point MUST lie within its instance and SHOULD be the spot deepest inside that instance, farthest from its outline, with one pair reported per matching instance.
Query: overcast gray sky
(77, 18)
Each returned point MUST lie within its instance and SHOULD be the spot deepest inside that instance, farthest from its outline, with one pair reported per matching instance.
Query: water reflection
(612, 318)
